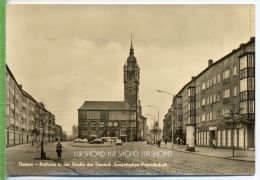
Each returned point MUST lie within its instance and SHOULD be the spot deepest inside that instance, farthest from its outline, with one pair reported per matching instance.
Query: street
(132, 158)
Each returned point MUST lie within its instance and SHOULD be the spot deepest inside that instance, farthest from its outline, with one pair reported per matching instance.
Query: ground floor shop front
(243, 137)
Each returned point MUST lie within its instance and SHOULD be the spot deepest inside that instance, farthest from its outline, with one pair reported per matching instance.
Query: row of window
(246, 107)
(246, 61)
(101, 132)
(224, 138)
(109, 124)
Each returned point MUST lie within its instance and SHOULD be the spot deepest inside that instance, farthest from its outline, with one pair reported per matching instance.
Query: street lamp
(171, 111)
(158, 118)
(153, 126)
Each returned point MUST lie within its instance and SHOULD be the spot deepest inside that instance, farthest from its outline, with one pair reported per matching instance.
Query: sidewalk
(240, 155)
(17, 160)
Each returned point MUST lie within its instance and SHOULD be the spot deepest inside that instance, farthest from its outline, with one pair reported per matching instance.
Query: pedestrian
(178, 140)
(159, 143)
(59, 150)
(214, 143)
(165, 141)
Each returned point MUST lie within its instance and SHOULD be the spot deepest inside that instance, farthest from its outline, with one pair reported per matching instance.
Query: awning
(93, 135)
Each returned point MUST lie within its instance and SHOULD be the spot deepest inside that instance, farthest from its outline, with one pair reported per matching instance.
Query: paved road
(133, 158)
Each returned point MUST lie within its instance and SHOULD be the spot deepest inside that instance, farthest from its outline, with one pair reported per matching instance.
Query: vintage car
(97, 141)
(119, 142)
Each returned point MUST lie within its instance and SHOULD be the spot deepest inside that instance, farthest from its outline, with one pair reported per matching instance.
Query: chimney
(21, 86)
(210, 62)
(192, 77)
(241, 45)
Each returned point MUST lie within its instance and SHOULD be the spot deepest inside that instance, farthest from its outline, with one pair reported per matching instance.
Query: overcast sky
(64, 55)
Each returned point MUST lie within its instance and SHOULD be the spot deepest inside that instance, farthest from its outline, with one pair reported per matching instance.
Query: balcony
(226, 81)
(226, 100)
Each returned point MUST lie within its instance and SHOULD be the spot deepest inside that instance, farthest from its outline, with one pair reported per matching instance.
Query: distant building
(205, 99)
(58, 132)
(122, 119)
(74, 132)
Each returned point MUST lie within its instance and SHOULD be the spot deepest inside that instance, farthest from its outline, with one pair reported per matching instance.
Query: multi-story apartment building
(58, 132)
(24, 115)
(224, 85)
(122, 119)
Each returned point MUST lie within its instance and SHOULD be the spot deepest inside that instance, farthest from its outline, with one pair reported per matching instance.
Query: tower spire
(131, 48)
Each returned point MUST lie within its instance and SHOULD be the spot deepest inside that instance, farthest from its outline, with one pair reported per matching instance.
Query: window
(93, 132)
(110, 124)
(243, 106)
(218, 113)
(214, 97)
(210, 99)
(226, 74)
(218, 78)
(243, 62)
(93, 114)
(214, 80)
(203, 102)
(100, 132)
(203, 86)
(225, 111)
(234, 90)
(203, 118)
(243, 85)
(250, 61)
(191, 92)
(250, 83)
(85, 132)
(123, 131)
(92, 123)
(226, 93)
(218, 96)
(122, 124)
(234, 70)
(210, 82)
(101, 123)
(85, 123)
(251, 107)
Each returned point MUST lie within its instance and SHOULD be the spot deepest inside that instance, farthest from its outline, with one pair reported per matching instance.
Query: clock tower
(131, 79)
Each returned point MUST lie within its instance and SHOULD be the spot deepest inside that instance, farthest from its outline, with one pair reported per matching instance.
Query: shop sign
(211, 128)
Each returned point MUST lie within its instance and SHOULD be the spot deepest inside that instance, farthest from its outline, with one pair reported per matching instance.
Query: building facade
(228, 84)
(26, 119)
(122, 119)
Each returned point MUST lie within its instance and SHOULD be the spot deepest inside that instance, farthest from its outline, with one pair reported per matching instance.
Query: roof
(105, 105)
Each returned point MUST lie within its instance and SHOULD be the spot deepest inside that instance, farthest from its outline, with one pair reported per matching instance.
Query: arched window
(93, 132)
(84, 132)
(101, 131)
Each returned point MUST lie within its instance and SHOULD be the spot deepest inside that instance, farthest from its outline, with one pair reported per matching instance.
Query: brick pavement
(16, 154)
(242, 155)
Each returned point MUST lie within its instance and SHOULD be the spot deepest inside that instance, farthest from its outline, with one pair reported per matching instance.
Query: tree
(232, 120)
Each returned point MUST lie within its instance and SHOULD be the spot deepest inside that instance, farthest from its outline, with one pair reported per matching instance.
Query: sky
(64, 55)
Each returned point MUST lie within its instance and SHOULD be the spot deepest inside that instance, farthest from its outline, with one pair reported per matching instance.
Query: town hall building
(121, 119)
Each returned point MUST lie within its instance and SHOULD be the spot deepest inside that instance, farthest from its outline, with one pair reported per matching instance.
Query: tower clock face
(131, 84)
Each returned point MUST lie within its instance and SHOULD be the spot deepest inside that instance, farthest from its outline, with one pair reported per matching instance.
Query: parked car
(110, 140)
(97, 141)
(119, 142)
(77, 140)
(84, 140)
(114, 138)
(105, 139)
